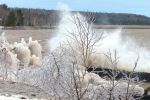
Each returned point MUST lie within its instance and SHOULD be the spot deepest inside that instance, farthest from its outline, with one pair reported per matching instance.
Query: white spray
(64, 25)
(127, 51)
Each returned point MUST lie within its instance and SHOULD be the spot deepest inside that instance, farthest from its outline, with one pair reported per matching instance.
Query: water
(127, 43)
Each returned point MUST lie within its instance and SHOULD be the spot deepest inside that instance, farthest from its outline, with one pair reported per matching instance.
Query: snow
(17, 91)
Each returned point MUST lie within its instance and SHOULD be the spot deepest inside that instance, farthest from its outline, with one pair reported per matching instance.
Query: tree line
(11, 17)
(50, 18)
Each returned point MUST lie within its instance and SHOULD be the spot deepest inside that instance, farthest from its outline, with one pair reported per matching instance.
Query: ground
(16, 91)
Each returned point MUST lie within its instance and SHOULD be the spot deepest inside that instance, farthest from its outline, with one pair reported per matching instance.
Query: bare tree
(114, 72)
(84, 37)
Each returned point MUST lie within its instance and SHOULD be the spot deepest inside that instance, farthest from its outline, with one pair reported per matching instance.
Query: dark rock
(34, 95)
(23, 98)
(105, 72)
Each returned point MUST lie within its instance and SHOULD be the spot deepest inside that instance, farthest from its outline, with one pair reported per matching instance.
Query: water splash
(65, 26)
(128, 51)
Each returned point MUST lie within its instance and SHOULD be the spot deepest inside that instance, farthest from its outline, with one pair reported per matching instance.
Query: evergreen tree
(11, 19)
(20, 18)
(3, 6)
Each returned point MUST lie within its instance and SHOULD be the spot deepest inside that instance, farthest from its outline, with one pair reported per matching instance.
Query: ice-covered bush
(6, 55)
(23, 53)
(63, 78)
(23, 42)
(34, 60)
(8, 60)
(20, 53)
(3, 41)
(35, 48)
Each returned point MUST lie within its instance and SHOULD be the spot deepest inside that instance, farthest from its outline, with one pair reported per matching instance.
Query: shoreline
(94, 26)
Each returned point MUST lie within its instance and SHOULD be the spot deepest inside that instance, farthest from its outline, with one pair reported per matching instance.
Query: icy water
(140, 36)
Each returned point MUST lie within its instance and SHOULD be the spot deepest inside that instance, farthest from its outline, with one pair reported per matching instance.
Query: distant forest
(50, 18)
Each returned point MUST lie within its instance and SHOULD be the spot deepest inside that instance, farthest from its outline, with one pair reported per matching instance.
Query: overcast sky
(117, 6)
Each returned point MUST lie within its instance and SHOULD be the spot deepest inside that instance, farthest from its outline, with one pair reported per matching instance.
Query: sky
(111, 6)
